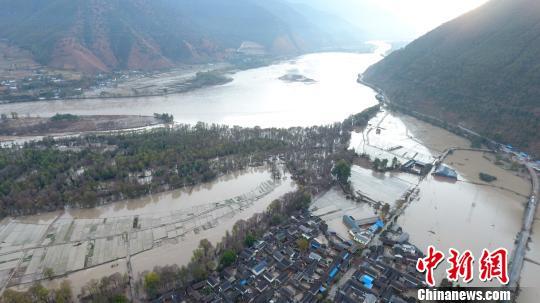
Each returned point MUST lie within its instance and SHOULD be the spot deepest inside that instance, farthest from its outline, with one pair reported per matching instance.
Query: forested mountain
(481, 69)
(101, 35)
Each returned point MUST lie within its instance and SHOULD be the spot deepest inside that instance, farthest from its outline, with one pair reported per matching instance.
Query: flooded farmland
(391, 134)
(464, 214)
(147, 229)
(165, 228)
(385, 187)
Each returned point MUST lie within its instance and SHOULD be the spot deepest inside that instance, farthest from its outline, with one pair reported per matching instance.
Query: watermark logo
(491, 265)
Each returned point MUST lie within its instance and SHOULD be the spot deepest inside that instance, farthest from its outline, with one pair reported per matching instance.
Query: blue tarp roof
(445, 171)
(333, 272)
(367, 281)
(350, 222)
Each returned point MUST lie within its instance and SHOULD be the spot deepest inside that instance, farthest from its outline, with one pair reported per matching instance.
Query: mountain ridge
(480, 70)
(104, 35)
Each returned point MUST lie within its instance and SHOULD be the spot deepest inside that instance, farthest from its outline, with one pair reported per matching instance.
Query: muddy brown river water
(466, 214)
(172, 225)
(254, 97)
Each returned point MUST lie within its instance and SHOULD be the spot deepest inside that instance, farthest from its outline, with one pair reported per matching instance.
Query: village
(303, 261)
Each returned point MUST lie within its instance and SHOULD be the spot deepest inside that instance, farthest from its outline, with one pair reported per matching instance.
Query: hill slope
(101, 35)
(481, 69)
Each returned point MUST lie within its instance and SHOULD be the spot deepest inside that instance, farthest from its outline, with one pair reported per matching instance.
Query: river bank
(11, 129)
(255, 97)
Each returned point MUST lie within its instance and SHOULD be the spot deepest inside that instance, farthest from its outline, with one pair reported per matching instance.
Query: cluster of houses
(302, 261)
(278, 269)
(416, 167)
(386, 273)
(363, 230)
(39, 86)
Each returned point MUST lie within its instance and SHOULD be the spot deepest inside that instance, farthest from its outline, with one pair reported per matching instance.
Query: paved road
(518, 256)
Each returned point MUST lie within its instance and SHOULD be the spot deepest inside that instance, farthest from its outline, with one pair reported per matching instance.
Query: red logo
(460, 265)
(494, 265)
(491, 265)
(429, 263)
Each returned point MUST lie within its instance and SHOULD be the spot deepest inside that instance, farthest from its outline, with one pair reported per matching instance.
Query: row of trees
(90, 170)
(39, 294)
(313, 155)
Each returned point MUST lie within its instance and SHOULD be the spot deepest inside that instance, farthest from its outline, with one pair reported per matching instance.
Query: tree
(385, 209)
(151, 283)
(64, 293)
(249, 240)
(384, 164)
(228, 258)
(11, 296)
(165, 118)
(120, 299)
(39, 293)
(395, 162)
(206, 246)
(376, 163)
(302, 244)
(48, 273)
(342, 171)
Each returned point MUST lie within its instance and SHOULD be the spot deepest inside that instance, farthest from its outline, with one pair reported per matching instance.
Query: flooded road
(165, 228)
(463, 214)
(530, 274)
(255, 97)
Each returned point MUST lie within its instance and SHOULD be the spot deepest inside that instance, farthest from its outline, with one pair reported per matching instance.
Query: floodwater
(332, 206)
(255, 97)
(464, 215)
(391, 134)
(223, 188)
(80, 279)
(171, 227)
(385, 187)
(179, 251)
(471, 163)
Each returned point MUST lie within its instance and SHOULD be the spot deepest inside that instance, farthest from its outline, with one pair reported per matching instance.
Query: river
(254, 97)
(171, 224)
(463, 214)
